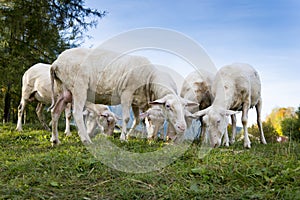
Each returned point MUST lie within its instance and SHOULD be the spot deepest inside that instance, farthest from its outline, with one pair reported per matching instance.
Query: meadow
(30, 168)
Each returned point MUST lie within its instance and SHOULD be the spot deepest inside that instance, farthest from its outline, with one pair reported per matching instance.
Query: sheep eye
(168, 106)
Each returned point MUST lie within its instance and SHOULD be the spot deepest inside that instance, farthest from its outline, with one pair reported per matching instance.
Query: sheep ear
(189, 103)
(103, 114)
(158, 101)
(231, 112)
(98, 122)
(85, 112)
(201, 113)
(144, 115)
(189, 114)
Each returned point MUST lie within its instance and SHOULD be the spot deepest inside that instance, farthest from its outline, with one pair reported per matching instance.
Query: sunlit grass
(31, 169)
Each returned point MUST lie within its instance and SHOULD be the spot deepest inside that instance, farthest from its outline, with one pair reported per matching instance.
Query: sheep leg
(136, 120)
(21, 108)
(90, 123)
(171, 132)
(233, 122)
(203, 133)
(155, 131)
(258, 112)
(226, 138)
(125, 116)
(55, 114)
(125, 103)
(149, 128)
(41, 117)
(247, 143)
(68, 119)
(79, 99)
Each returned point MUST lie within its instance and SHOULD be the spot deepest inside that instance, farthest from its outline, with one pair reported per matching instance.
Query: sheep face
(216, 123)
(108, 121)
(173, 108)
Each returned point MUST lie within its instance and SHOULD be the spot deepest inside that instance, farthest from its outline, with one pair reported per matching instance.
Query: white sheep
(236, 87)
(36, 87)
(154, 122)
(99, 115)
(111, 78)
(197, 87)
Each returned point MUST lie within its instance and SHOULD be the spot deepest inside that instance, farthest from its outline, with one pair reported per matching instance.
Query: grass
(31, 169)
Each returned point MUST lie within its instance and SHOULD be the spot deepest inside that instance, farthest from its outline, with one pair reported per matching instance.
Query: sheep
(36, 87)
(110, 78)
(236, 87)
(99, 115)
(154, 122)
(197, 88)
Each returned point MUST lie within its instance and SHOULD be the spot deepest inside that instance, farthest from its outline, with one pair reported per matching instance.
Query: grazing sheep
(236, 87)
(36, 87)
(197, 88)
(110, 78)
(98, 114)
(154, 121)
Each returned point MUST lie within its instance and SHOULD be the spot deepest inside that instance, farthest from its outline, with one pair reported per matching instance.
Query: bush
(291, 128)
(269, 131)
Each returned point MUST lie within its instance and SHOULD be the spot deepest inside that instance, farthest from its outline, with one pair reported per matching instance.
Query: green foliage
(33, 31)
(278, 115)
(291, 126)
(31, 169)
(269, 131)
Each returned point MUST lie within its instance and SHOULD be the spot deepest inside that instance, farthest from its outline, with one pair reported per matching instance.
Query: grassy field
(31, 169)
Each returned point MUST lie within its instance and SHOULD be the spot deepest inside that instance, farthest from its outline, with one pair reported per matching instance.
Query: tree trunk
(7, 100)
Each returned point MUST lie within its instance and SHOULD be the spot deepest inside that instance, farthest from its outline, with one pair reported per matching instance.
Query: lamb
(36, 86)
(111, 78)
(154, 121)
(99, 115)
(236, 87)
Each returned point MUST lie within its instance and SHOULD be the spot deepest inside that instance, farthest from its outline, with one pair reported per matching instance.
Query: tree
(291, 126)
(268, 128)
(278, 115)
(33, 31)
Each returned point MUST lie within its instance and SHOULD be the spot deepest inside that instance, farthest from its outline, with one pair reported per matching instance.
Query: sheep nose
(181, 127)
(110, 119)
(215, 145)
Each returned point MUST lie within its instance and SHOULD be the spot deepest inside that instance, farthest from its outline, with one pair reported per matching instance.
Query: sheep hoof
(55, 143)
(87, 142)
(123, 137)
(68, 134)
(263, 141)
(248, 146)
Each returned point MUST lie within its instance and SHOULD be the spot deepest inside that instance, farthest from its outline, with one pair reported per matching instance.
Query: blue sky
(265, 34)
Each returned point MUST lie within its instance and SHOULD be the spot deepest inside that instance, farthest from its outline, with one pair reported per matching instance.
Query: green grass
(31, 169)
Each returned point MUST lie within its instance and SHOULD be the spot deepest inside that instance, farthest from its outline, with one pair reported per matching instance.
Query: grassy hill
(31, 169)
